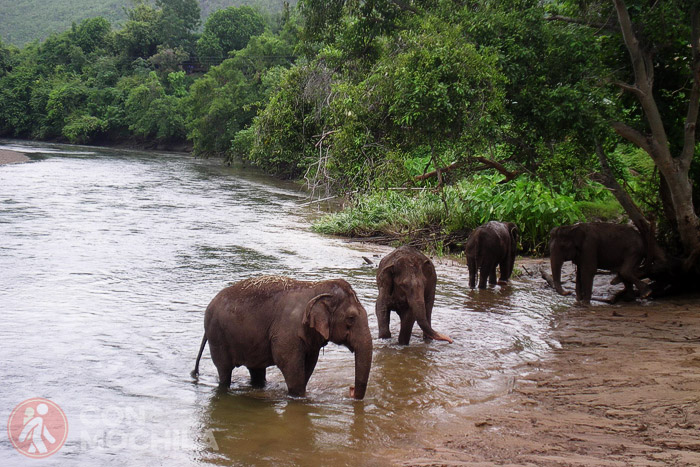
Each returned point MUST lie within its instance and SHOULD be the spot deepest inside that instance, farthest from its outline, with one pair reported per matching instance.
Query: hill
(22, 21)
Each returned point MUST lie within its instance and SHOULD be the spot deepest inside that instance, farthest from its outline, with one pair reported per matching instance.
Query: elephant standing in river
(615, 247)
(406, 279)
(273, 320)
(491, 244)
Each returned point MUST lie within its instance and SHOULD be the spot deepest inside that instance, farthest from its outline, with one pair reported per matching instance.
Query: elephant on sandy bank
(489, 245)
(406, 280)
(590, 246)
(274, 320)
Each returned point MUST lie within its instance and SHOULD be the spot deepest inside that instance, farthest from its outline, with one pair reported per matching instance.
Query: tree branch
(404, 6)
(609, 26)
(607, 179)
(488, 164)
(434, 173)
(499, 167)
(694, 100)
(633, 136)
(630, 88)
(643, 68)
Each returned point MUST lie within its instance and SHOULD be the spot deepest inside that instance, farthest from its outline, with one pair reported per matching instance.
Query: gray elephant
(406, 279)
(490, 245)
(273, 320)
(597, 245)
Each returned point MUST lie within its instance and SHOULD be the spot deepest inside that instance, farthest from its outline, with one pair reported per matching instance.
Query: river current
(108, 259)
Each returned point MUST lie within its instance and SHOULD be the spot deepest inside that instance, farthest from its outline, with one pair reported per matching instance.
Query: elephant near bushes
(273, 320)
(590, 246)
(491, 244)
(406, 280)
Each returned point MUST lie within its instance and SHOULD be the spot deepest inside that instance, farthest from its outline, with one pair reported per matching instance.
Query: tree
(653, 51)
(228, 30)
(178, 21)
(92, 34)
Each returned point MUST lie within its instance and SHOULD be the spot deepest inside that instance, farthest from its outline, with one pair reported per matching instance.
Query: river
(108, 260)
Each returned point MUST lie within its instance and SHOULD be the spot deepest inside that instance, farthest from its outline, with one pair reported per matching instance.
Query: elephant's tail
(195, 372)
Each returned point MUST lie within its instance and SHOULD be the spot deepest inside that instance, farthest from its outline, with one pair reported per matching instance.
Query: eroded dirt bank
(623, 389)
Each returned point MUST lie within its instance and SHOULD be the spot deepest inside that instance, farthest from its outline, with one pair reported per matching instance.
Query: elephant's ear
(513, 230)
(385, 279)
(428, 268)
(317, 316)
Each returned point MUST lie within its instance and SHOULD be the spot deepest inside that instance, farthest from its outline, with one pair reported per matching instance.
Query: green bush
(533, 207)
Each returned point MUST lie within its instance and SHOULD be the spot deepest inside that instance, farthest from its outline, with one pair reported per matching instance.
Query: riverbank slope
(623, 389)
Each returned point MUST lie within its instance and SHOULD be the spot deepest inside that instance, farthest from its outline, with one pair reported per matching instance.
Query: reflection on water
(109, 259)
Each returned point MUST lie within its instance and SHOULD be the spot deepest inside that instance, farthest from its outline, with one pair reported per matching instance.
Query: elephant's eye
(350, 320)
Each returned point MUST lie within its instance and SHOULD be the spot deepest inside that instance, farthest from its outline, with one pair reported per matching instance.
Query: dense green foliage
(500, 109)
(461, 207)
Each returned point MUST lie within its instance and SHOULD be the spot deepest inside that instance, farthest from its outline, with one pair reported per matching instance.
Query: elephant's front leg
(291, 362)
(382, 311)
(309, 365)
(492, 275)
(585, 272)
(407, 322)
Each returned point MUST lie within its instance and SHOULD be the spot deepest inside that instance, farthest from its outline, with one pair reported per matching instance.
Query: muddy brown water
(108, 260)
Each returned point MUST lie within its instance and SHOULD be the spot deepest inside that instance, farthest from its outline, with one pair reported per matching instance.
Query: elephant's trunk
(363, 363)
(556, 261)
(419, 312)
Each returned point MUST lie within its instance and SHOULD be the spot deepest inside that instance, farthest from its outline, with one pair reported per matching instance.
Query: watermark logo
(37, 428)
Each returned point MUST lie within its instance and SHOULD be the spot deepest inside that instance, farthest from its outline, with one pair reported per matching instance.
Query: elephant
(615, 247)
(275, 320)
(491, 244)
(406, 280)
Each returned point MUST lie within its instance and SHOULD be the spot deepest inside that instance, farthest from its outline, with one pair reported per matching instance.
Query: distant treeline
(24, 21)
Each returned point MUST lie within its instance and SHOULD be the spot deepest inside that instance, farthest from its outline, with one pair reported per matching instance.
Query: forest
(428, 118)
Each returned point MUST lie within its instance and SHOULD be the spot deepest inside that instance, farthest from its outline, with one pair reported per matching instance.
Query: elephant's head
(338, 316)
(406, 280)
(564, 245)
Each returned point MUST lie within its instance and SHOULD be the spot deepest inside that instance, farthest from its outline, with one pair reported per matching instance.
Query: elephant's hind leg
(225, 372)
(223, 362)
(484, 273)
(257, 377)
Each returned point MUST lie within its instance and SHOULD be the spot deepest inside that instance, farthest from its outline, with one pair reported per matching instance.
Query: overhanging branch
(487, 164)
(609, 26)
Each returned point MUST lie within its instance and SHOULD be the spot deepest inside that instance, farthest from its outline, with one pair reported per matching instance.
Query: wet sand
(623, 389)
(11, 157)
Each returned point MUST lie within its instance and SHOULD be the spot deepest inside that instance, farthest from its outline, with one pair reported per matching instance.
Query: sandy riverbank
(623, 389)
(11, 157)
